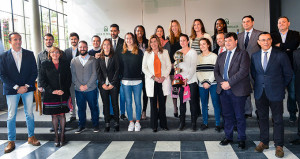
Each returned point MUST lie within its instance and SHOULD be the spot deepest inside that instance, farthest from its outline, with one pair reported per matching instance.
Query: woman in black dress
(55, 78)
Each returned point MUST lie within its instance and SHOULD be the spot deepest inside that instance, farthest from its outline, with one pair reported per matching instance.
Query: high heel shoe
(56, 142)
(62, 140)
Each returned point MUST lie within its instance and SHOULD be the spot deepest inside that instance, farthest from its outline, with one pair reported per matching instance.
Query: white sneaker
(137, 126)
(131, 126)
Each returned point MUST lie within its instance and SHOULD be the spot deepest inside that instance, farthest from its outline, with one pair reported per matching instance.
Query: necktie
(246, 40)
(226, 67)
(265, 61)
(115, 45)
(221, 50)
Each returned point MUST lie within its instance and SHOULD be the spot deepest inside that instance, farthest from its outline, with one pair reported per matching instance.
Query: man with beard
(70, 54)
(84, 77)
(95, 51)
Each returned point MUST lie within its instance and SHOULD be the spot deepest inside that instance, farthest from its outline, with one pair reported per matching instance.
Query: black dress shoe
(225, 142)
(72, 119)
(154, 130)
(248, 116)
(242, 145)
(117, 127)
(107, 127)
(203, 127)
(218, 129)
(165, 129)
(181, 126)
(123, 117)
(176, 115)
(295, 142)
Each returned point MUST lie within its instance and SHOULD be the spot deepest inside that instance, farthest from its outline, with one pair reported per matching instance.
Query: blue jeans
(291, 101)
(122, 100)
(12, 104)
(91, 98)
(137, 93)
(204, 95)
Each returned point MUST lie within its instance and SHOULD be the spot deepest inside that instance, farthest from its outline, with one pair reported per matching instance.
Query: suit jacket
(55, 79)
(276, 77)
(10, 76)
(252, 44)
(238, 72)
(68, 54)
(297, 73)
(119, 47)
(291, 42)
(111, 71)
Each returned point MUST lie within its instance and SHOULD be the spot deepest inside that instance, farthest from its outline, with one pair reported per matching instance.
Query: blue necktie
(265, 61)
(226, 67)
(115, 45)
(247, 40)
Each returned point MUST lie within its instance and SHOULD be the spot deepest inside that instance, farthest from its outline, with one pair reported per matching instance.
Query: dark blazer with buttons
(111, 71)
(276, 77)
(67, 55)
(291, 42)
(252, 44)
(10, 76)
(119, 47)
(238, 72)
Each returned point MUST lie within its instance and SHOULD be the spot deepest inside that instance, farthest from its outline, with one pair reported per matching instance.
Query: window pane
(28, 9)
(28, 40)
(5, 6)
(6, 28)
(45, 28)
(62, 44)
(27, 24)
(60, 20)
(18, 7)
(45, 15)
(59, 6)
(19, 24)
(52, 4)
(61, 32)
(55, 34)
(53, 18)
(23, 41)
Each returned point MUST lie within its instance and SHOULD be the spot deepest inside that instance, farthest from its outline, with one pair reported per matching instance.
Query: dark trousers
(91, 98)
(233, 109)
(194, 102)
(113, 93)
(158, 113)
(145, 97)
(263, 104)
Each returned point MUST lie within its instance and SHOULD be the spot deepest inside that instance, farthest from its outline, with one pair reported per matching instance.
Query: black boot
(107, 127)
(182, 123)
(117, 127)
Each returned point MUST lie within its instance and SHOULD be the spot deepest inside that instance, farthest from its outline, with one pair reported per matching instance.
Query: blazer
(68, 54)
(277, 76)
(84, 75)
(291, 42)
(297, 73)
(10, 76)
(55, 79)
(119, 47)
(252, 44)
(238, 72)
(111, 71)
(148, 69)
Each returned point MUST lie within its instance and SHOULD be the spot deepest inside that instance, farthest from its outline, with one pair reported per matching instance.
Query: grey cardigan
(84, 75)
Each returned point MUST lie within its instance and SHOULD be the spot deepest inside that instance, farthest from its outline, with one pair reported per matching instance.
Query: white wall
(93, 16)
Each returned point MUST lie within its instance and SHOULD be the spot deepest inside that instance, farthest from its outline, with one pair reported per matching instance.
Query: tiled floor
(143, 150)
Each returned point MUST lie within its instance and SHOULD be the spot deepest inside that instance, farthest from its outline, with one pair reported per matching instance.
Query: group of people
(225, 66)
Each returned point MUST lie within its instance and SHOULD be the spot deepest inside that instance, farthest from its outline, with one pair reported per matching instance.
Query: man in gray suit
(84, 77)
(247, 40)
(69, 54)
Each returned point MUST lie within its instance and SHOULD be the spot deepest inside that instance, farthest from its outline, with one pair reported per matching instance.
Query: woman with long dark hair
(108, 82)
(142, 42)
(219, 27)
(55, 78)
(157, 67)
(160, 32)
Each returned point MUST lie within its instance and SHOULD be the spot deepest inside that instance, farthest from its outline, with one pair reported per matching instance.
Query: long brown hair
(111, 51)
(53, 49)
(160, 48)
(193, 32)
(172, 36)
(135, 49)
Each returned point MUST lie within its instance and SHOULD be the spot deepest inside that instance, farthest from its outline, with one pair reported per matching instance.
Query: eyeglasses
(56, 52)
(264, 40)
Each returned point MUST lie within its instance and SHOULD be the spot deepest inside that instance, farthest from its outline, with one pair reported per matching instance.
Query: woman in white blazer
(156, 67)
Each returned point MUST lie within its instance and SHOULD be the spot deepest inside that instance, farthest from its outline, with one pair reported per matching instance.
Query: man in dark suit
(69, 54)
(247, 40)
(232, 75)
(296, 59)
(221, 44)
(287, 41)
(271, 72)
(117, 44)
(18, 72)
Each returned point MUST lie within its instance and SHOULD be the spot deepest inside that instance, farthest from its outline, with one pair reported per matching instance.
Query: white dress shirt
(18, 58)
(283, 36)
(232, 53)
(250, 32)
